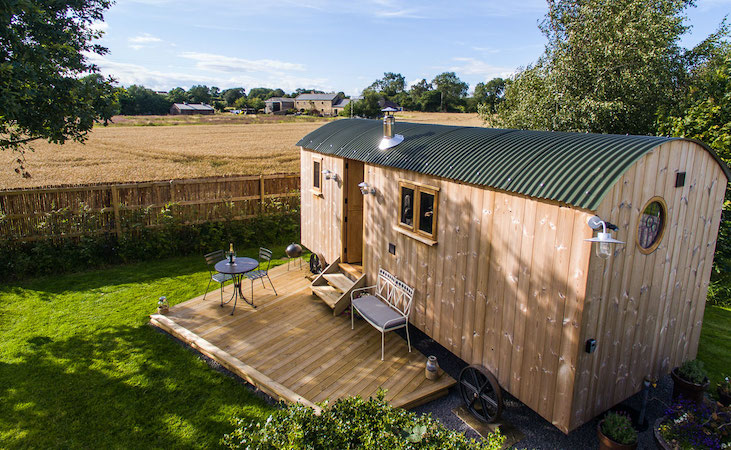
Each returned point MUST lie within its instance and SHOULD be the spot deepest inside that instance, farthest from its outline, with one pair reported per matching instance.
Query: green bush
(352, 423)
(618, 427)
(693, 371)
(140, 243)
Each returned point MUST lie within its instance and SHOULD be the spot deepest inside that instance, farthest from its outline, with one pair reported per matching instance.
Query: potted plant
(687, 425)
(615, 431)
(724, 391)
(690, 380)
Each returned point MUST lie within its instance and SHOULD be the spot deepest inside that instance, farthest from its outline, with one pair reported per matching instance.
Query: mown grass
(715, 343)
(81, 368)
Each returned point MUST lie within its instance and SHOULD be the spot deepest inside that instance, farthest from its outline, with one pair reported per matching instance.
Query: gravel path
(538, 432)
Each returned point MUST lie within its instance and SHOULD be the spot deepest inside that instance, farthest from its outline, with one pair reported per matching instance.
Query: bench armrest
(360, 289)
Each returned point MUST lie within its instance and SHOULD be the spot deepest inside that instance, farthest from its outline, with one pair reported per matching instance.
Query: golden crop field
(204, 146)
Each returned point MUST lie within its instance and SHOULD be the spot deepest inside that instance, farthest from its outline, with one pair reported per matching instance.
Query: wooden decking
(293, 348)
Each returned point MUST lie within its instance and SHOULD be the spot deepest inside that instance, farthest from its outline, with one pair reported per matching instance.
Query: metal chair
(264, 255)
(221, 278)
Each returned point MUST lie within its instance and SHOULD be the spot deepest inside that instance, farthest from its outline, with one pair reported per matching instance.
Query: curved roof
(573, 168)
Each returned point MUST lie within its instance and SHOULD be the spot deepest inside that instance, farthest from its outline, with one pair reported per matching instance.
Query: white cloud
(474, 66)
(128, 74)
(221, 63)
(144, 38)
(99, 26)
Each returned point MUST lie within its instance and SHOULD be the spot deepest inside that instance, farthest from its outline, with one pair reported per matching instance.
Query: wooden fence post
(261, 193)
(115, 205)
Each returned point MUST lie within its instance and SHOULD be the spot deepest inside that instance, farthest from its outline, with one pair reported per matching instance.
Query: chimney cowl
(389, 138)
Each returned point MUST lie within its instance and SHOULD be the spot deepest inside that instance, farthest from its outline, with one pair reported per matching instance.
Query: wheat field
(125, 153)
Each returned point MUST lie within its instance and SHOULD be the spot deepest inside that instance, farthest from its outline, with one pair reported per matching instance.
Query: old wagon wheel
(481, 393)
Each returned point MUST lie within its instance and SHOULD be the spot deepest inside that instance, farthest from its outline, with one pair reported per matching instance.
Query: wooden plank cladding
(646, 310)
(293, 348)
(502, 287)
(322, 212)
(510, 282)
(31, 214)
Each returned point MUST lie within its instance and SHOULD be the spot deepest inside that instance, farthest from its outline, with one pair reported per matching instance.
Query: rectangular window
(418, 209)
(317, 175)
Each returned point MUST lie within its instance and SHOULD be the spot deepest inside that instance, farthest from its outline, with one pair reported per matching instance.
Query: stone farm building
(279, 105)
(326, 104)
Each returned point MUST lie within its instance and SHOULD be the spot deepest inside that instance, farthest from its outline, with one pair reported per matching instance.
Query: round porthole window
(652, 225)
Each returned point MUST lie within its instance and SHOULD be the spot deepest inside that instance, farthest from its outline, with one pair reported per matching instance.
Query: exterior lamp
(366, 188)
(603, 239)
(330, 175)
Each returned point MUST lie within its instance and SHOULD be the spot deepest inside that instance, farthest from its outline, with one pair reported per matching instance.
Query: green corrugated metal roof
(573, 168)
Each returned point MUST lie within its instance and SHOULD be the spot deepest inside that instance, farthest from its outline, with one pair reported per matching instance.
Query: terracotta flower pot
(607, 444)
(690, 391)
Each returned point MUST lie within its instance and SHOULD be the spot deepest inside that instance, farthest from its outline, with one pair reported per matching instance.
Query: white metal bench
(387, 309)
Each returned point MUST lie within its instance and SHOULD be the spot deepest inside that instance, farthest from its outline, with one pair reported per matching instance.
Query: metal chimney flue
(389, 139)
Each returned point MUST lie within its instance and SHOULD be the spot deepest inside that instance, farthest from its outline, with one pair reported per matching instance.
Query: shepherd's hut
(492, 228)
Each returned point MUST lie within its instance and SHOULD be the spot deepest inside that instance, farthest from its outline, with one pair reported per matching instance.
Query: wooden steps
(354, 271)
(339, 281)
(335, 284)
(327, 294)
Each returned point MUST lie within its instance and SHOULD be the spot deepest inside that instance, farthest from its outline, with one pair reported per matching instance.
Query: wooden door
(353, 207)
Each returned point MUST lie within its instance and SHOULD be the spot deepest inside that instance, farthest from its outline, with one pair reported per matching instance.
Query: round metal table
(237, 270)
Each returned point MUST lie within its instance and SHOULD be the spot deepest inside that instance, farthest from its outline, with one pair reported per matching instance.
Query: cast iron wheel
(481, 393)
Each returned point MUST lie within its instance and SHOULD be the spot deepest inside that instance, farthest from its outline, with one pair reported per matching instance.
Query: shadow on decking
(292, 347)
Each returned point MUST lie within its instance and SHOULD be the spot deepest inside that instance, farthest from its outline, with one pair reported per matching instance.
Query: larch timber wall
(322, 215)
(646, 311)
(503, 287)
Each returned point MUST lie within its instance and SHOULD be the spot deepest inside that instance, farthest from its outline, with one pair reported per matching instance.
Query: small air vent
(679, 179)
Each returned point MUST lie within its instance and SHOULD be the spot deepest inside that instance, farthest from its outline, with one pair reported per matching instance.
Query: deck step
(339, 281)
(328, 294)
(354, 271)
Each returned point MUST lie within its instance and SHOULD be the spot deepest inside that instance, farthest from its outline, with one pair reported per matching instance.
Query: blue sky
(329, 45)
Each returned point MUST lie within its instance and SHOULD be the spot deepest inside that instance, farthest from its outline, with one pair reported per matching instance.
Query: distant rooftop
(319, 97)
(193, 106)
(279, 99)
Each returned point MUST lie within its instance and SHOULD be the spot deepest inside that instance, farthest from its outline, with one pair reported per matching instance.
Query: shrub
(618, 427)
(352, 423)
(693, 371)
(170, 237)
(692, 426)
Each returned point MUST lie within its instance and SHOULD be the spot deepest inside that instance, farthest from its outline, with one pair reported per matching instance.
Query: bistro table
(237, 270)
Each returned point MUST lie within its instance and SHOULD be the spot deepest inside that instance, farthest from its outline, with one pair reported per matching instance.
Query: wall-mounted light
(603, 239)
(366, 188)
(330, 175)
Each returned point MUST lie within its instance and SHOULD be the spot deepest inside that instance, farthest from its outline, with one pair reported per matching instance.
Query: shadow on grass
(119, 387)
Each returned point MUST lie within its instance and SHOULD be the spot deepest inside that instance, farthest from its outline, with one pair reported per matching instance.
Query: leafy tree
(265, 93)
(177, 95)
(199, 94)
(490, 93)
(707, 118)
(299, 91)
(256, 103)
(138, 100)
(215, 92)
(609, 65)
(231, 95)
(44, 48)
(390, 85)
(219, 106)
(241, 103)
(368, 106)
(451, 88)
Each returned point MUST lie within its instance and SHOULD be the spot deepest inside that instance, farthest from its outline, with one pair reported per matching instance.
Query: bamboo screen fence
(41, 213)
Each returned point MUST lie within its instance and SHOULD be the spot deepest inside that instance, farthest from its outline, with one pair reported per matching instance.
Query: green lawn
(81, 367)
(715, 344)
